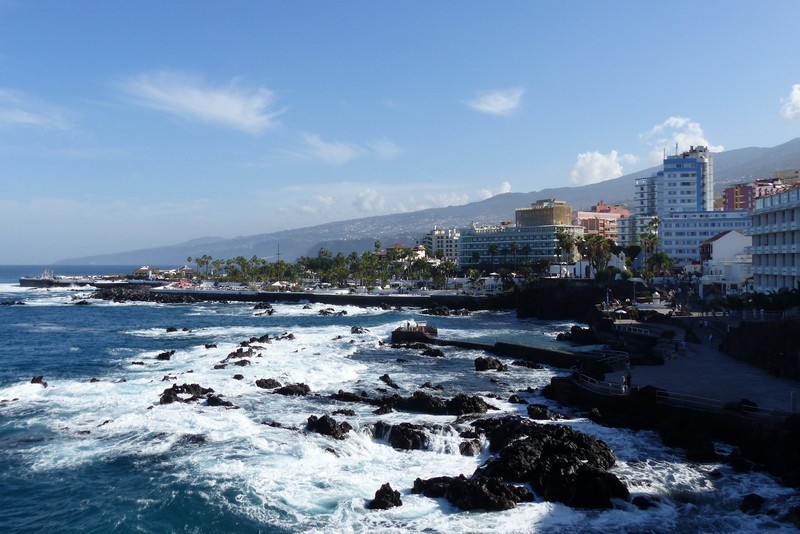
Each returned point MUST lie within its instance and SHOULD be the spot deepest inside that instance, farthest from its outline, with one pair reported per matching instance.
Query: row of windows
(783, 260)
(721, 224)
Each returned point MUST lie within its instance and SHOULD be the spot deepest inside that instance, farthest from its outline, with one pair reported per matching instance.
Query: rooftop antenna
(279, 252)
(676, 149)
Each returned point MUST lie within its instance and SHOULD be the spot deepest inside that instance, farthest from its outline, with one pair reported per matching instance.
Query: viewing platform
(698, 376)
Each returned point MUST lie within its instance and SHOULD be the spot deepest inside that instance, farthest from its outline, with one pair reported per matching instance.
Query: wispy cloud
(385, 149)
(350, 200)
(246, 109)
(19, 110)
(791, 104)
(593, 167)
(499, 102)
(680, 131)
(332, 153)
(504, 187)
(342, 152)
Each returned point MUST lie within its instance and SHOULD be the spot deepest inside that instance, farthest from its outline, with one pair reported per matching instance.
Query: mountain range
(358, 235)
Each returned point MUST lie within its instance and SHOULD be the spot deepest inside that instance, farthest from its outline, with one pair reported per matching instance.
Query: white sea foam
(286, 476)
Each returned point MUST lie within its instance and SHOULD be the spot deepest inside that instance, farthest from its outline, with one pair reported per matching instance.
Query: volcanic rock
(328, 426)
(385, 498)
(294, 389)
(268, 383)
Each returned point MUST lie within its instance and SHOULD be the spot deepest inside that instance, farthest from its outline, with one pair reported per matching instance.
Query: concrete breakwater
(451, 301)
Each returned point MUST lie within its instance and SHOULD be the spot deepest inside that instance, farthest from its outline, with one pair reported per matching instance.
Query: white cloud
(324, 200)
(505, 187)
(385, 149)
(593, 167)
(17, 109)
(429, 200)
(446, 199)
(369, 200)
(185, 96)
(501, 102)
(352, 200)
(791, 105)
(333, 153)
(680, 131)
(313, 147)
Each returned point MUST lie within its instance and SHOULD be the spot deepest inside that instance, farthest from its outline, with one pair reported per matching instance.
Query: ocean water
(102, 455)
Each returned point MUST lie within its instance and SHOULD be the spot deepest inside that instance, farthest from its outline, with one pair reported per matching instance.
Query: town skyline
(125, 127)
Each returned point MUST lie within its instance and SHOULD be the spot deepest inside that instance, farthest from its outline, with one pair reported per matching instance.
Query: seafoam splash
(255, 466)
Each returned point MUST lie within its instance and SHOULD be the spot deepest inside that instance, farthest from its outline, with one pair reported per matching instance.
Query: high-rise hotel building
(681, 195)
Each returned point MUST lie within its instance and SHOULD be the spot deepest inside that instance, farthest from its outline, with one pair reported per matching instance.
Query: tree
(514, 250)
(439, 275)
(493, 250)
(597, 250)
(505, 251)
(649, 238)
(565, 244)
(217, 266)
(659, 263)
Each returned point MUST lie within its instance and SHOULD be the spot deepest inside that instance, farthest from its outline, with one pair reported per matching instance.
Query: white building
(726, 263)
(532, 243)
(681, 195)
(686, 183)
(776, 242)
(630, 228)
(444, 240)
(681, 234)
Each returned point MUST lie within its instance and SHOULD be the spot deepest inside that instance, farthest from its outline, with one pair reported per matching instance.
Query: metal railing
(599, 386)
(632, 329)
(680, 400)
(704, 404)
(765, 315)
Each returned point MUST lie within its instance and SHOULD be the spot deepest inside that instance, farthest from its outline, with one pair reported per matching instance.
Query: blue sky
(127, 125)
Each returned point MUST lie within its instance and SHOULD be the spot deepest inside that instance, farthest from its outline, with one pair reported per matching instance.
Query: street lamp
(634, 280)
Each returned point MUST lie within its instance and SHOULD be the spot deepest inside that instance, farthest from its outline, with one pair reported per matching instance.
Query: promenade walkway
(701, 370)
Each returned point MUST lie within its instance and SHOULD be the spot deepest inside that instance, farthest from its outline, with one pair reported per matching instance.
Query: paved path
(703, 371)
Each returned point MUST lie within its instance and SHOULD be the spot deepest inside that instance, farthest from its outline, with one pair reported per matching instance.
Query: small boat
(414, 331)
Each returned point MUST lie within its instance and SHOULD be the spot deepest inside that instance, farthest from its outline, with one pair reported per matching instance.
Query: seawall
(469, 302)
(566, 298)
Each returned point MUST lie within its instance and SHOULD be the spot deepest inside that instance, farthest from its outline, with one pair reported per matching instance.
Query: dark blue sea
(95, 451)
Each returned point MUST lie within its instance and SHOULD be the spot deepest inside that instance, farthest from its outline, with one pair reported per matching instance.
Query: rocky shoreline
(501, 483)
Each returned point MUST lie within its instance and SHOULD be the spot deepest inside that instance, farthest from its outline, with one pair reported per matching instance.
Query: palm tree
(659, 263)
(597, 250)
(514, 251)
(649, 238)
(493, 250)
(565, 243)
(505, 251)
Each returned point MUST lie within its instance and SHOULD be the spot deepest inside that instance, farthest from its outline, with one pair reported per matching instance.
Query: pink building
(743, 196)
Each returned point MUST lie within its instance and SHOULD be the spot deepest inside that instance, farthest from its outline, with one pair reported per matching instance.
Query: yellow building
(545, 212)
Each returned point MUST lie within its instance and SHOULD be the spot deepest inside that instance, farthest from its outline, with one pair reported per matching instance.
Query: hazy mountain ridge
(734, 166)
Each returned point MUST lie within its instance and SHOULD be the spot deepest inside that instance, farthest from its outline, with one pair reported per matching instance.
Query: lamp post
(634, 280)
